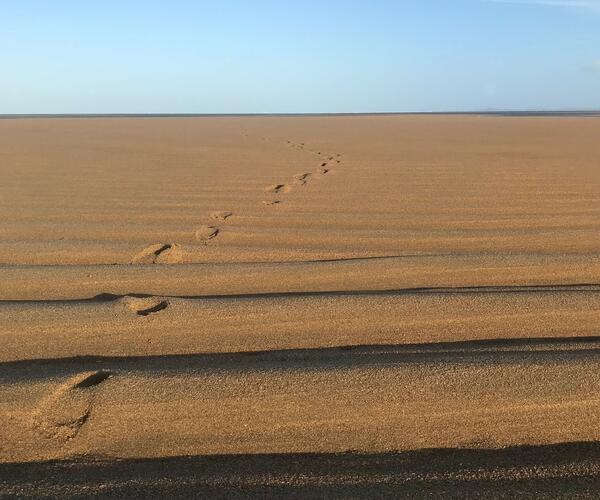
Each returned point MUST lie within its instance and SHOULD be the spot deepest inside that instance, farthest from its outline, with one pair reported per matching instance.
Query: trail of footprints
(303, 178)
(172, 253)
(62, 414)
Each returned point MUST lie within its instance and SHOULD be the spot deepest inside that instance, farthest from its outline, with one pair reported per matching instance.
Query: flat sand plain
(310, 306)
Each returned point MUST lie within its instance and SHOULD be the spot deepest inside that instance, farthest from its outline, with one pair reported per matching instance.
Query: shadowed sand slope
(520, 472)
(300, 306)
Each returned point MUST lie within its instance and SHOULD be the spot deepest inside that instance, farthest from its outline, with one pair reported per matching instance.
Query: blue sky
(226, 56)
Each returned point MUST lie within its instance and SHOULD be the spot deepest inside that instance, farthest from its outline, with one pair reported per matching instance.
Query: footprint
(143, 306)
(205, 233)
(159, 253)
(221, 215)
(278, 188)
(271, 202)
(64, 412)
(300, 179)
(323, 171)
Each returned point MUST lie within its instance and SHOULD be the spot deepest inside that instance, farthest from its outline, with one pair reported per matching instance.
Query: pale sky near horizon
(185, 56)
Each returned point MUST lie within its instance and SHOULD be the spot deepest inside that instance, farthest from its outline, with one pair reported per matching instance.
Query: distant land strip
(589, 113)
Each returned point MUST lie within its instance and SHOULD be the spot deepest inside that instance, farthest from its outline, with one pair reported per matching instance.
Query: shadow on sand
(552, 471)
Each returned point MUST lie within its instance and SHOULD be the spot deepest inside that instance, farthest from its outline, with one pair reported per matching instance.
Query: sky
(298, 56)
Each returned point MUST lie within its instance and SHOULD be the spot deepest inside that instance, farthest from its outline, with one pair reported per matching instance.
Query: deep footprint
(66, 410)
(205, 233)
(144, 306)
(159, 253)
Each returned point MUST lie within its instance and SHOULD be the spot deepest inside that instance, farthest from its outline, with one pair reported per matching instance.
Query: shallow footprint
(159, 253)
(271, 202)
(278, 188)
(300, 179)
(205, 233)
(221, 215)
(63, 413)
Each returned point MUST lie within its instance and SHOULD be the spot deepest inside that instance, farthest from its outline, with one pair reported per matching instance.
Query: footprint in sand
(278, 188)
(322, 171)
(270, 203)
(221, 215)
(205, 233)
(144, 306)
(300, 179)
(63, 413)
(159, 253)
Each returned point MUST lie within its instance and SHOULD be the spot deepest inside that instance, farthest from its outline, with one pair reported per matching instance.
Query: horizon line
(506, 112)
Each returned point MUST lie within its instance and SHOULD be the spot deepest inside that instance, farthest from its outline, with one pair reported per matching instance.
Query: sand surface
(300, 306)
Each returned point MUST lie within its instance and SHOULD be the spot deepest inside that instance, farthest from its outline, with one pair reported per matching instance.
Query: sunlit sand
(380, 292)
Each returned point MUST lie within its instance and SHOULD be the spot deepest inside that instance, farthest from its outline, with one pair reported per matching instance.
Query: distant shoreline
(590, 113)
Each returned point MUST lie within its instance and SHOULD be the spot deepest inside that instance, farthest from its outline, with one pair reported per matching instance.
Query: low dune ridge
(349, 306)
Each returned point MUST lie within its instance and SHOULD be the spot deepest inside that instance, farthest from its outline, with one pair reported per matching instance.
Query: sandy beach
(309, 306)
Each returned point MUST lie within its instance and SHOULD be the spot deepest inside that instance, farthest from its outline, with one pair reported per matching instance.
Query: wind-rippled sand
(300, 306)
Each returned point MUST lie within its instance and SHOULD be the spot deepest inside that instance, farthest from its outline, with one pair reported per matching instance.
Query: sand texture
(330, 307)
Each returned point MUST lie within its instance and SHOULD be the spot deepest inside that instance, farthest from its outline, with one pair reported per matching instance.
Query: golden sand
(420, 294)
